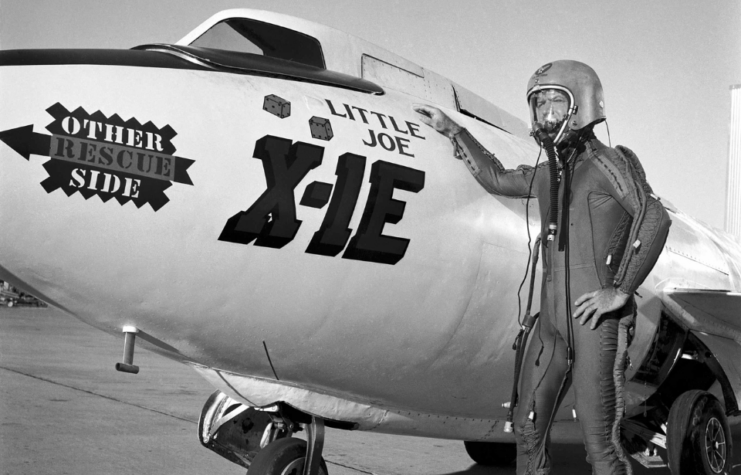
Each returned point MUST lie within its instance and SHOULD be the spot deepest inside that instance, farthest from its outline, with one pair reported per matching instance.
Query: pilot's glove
(437, 119)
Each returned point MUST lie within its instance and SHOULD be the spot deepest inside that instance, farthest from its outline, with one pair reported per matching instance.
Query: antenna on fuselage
(128, 356)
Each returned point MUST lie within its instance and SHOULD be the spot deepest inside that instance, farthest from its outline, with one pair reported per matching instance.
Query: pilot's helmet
(565, 96)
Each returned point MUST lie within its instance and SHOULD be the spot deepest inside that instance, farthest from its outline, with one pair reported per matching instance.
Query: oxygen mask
(552, 120)
(550, 110)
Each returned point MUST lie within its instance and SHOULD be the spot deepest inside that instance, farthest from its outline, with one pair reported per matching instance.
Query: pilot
(601, 249)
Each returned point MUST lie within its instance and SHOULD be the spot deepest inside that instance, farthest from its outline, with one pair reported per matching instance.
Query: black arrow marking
(26, 142)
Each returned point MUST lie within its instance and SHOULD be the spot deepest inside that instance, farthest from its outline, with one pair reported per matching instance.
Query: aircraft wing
(717, 312)
(714, 316)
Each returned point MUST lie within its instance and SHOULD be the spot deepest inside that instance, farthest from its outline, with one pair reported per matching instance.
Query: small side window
(255, 37)
(473, 106)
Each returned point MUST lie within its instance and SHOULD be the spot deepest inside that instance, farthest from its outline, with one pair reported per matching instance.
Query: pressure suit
(610, 234)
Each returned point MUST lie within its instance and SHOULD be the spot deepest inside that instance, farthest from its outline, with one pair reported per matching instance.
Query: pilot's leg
(598, 378)
(542, 374)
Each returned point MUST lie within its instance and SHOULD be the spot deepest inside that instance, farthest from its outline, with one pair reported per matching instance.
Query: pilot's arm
(483, 165)
(650, 220)
(648, 233)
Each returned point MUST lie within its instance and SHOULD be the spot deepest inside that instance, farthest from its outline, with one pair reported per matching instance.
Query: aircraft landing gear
(284, 457)
(491, 454)
(261, 439)
(698, 436)
(291, 456)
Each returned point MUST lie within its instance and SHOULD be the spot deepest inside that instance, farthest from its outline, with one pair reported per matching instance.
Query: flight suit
(615, 232)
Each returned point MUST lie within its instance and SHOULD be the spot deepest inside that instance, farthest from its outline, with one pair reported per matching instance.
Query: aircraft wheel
(493, 454)
(698, 439)
(282, 457)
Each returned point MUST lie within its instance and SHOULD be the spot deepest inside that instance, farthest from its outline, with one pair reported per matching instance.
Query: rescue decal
(393, 136)
(271, 220)
(105, 156)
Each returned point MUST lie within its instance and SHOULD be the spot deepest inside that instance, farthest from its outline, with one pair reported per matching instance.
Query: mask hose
(550, 150)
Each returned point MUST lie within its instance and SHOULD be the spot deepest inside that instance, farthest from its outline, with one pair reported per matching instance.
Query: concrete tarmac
(65, 410)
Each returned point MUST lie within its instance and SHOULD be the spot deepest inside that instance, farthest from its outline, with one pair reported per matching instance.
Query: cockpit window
(250, 36)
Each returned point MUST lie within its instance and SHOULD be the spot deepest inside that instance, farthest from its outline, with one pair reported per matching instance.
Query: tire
(283, 457)
(491, 454)
(698, 439)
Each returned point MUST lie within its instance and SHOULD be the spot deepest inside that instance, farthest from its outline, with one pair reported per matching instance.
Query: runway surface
(65, 410)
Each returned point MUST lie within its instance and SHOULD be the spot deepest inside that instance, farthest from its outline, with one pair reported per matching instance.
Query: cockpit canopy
(285, 38)
(246, 35)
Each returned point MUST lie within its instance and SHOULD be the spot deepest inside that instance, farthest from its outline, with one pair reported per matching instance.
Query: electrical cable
(529, 236)
(521, 340)
(564, 240)
(568, 174)
(527, 323)
(567, 272)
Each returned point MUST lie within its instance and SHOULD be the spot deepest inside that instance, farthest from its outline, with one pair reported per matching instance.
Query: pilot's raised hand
(594, 304)
(437, 119)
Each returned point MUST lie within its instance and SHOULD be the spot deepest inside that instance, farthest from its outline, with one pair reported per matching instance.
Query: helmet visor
(550, 110)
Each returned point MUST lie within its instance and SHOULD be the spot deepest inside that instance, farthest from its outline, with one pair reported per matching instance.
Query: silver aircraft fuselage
(293, 240)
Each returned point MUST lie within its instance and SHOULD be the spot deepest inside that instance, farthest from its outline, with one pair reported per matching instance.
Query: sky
(666, 65)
